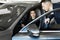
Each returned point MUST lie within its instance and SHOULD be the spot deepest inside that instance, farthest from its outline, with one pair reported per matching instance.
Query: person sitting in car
(32, 16)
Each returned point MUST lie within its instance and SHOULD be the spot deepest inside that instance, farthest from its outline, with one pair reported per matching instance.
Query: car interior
(10, 23)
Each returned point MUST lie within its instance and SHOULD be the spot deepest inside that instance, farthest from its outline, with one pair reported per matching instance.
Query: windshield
(9, 14)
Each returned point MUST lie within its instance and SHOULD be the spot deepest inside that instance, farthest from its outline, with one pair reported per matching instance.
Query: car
(10, 23)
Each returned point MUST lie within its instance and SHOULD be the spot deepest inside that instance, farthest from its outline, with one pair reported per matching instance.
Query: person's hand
(47, 20)
(22, 25)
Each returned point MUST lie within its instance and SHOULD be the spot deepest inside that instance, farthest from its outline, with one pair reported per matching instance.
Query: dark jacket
(36, 22)
(56, 14)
